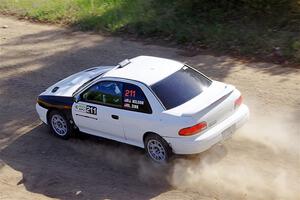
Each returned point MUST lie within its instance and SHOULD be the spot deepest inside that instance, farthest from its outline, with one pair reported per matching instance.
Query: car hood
(69, 85)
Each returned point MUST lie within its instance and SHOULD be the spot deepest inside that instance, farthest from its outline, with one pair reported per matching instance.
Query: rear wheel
(157, 148)
(59, 125)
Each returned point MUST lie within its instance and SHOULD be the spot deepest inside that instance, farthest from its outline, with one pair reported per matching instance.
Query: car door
(98, 109)
(137, 114)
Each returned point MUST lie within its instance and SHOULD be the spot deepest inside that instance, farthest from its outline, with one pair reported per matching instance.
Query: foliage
(247, 27)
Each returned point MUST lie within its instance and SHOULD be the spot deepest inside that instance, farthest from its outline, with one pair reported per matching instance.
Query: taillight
(238, 101)
(193, 129)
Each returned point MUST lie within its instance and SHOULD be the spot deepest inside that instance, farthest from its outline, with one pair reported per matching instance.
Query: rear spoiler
(212, 102)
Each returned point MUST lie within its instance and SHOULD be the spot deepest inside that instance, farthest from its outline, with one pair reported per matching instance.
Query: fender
(61, 103)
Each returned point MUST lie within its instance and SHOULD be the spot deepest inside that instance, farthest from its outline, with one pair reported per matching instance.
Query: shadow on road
(87, 168)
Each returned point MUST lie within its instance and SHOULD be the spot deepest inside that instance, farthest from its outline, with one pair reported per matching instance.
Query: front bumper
(199, 143)
(42, 112)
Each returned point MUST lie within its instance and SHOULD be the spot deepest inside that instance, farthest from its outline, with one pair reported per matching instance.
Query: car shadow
(83, 168)
(89, 167)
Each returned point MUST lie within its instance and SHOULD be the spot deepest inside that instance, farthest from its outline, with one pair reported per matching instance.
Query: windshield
(180, 87)
(86, 83)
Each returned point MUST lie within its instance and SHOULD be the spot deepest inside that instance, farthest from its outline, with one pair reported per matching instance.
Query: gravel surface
(261, 161)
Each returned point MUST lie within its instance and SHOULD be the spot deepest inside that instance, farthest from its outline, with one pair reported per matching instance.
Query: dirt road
(261, 161)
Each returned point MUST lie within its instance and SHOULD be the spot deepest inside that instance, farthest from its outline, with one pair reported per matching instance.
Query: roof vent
(124, 63)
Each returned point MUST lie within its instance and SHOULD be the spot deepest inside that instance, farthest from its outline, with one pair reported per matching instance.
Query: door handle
(115, 117)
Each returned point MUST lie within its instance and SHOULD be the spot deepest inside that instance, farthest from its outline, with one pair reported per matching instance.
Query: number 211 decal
(129, 93)
(91, 110)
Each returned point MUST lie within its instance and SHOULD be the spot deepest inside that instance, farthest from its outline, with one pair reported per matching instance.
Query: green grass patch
(245, 27)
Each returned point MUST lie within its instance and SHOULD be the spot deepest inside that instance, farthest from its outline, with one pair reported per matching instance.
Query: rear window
(180, 87)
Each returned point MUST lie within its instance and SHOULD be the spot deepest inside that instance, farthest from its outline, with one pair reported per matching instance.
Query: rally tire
(158, 150)
(59, 125)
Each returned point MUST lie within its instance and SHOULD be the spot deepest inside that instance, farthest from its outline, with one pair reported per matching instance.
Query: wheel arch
(147, 134)
(48, 114)
(54, 109)
(153, 133)
(64, 112)
(165, 143)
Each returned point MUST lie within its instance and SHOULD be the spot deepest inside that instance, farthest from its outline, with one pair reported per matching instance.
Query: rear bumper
(42, 112)
(199, 143)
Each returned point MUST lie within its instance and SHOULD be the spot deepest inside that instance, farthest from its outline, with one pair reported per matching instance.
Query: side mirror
(76, 98)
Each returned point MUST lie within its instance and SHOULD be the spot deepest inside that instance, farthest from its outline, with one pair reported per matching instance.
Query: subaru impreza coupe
(154, 103)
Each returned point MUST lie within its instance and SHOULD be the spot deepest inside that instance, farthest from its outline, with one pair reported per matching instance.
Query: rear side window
(134, 99)
(180, 87)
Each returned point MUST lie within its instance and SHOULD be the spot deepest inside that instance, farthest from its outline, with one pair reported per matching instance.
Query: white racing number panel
(86, 109)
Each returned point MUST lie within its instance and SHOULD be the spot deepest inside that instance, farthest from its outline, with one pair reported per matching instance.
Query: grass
(254, 28)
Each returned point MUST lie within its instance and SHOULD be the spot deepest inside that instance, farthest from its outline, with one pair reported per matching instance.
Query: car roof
(146, 69)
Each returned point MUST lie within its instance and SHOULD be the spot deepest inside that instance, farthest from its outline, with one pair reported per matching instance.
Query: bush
(249, 27)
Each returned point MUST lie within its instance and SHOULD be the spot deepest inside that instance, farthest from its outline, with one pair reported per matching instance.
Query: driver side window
(106, 92)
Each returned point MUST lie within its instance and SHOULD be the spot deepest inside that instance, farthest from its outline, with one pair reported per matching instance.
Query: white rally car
(154, 103)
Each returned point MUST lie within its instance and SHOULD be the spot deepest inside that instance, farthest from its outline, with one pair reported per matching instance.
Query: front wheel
(59, 125)
(157, 148)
